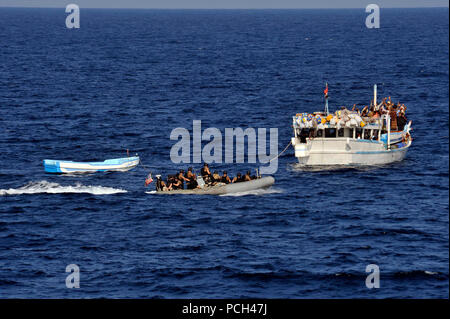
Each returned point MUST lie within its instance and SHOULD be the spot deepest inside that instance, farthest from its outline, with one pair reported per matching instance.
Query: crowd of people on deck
(357, 118)
(188, 180)
(396, 111)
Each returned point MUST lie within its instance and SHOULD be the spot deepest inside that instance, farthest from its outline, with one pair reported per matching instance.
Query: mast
(375, 95)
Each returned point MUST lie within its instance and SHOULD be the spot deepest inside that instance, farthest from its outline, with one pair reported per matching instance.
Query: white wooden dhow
(343, 146)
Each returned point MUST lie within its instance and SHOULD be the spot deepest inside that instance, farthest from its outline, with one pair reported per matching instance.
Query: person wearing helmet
(225, 178)
(237, 179)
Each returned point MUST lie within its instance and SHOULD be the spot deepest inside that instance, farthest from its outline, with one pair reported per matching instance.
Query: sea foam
(55, 188)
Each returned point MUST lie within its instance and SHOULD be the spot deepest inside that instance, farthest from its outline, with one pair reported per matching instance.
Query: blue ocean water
(126, 78)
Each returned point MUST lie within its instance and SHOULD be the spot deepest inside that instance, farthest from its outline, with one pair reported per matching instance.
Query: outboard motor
(200, 181)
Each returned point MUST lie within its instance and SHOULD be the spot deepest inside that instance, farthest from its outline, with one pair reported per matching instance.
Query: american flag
(149, 179)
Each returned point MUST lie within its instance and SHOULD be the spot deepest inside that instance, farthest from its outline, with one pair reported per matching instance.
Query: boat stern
(302, 150)
(52, 166)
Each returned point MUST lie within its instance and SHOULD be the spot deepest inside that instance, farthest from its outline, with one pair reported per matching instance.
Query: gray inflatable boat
(221, 189)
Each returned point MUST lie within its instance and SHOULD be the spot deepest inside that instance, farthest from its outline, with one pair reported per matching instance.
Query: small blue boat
(116, 164)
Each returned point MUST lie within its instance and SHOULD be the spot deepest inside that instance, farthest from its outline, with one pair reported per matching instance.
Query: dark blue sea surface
(127, 78)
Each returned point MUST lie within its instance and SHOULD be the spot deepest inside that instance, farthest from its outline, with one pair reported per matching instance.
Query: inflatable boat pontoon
(221, 189)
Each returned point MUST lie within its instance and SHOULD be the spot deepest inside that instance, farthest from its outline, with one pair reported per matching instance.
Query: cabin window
(303, 138)
(375, 135)
(358, 133)
(319, 133)
(341, 132)
(330, 132)
(350, 133)
(367, 134)
(305, 134)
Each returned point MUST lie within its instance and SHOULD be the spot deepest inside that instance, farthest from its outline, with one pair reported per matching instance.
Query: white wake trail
(55, 188)
(257, 192)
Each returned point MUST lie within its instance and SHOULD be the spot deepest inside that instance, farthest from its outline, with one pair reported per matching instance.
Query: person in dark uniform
(176, 183)
(237, 179)
(189, 174)
(160, 184)
(225, 178)
(206, 174)
(181, 178)
(192, 179)
(169, 182)
(247, 177)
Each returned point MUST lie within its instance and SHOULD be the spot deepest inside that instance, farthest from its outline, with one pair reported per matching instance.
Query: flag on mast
(148, 180)
(325, 92)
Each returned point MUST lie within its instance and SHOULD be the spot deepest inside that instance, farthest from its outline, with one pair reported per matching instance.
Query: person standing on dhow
(325, 92)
